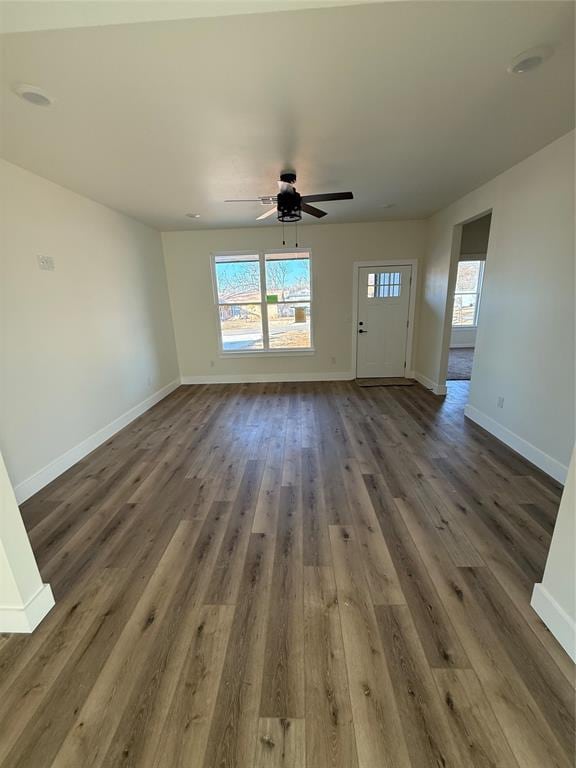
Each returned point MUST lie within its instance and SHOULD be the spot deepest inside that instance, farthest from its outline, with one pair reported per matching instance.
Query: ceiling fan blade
(249, 200)
(328, 196)
(313, 211)
(271, 212)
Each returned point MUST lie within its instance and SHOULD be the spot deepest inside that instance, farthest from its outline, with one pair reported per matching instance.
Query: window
(264, 301)
(384, 285)
(467, 293)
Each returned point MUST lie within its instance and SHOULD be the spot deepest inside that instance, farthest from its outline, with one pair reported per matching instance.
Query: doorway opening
(467, 278)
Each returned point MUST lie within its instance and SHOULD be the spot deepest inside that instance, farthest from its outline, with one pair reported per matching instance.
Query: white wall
(81, 345)
(463, 337)
(334, 248)
(555, 598)
(475, 237)
(24, 599)
(525, 339)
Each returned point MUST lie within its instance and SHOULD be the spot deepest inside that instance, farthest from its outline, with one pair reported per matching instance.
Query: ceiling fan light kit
(290, 204)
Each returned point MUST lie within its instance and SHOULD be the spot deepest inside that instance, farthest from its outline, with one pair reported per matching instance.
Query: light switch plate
(46, 262)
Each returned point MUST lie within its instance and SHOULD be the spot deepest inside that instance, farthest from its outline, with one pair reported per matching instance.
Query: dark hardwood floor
(256, 576)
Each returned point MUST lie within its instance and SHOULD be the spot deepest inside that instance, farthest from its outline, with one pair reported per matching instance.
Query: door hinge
(407, 323)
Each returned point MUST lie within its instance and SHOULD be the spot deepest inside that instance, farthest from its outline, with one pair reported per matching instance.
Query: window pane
(241, 327)
(383, 285)
(289, 326)
(467, 278)
(288, 276)
(238, 279)
(464, 309)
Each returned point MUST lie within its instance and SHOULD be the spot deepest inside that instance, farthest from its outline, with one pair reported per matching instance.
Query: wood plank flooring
(307, 575)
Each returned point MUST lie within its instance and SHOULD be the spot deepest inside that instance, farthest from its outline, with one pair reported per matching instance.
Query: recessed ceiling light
(529, 60)
(32, 94)
(193, 215)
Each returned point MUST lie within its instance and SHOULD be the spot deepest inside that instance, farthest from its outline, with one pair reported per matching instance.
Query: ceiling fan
(289, 204)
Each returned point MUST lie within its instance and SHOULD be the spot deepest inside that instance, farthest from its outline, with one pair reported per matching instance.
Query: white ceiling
(403, 102)
(29, 15)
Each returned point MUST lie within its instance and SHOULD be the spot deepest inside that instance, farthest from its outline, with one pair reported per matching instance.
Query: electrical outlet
(211, 363)
(46, 262)
(333, 360)
(500, 402)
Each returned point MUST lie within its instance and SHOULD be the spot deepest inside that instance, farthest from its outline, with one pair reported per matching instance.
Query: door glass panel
(384, 285)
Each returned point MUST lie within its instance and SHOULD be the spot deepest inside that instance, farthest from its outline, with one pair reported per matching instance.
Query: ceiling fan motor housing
(289, 206)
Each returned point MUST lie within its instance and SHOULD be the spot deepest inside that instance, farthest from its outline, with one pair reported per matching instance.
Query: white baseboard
(534, 455)
(259, 378)
(51, 471)
(437, 389)
(562, 626)
(26, 618)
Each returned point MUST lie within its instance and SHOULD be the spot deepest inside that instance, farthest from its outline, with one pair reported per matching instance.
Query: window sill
(270, 353)
(464, 327)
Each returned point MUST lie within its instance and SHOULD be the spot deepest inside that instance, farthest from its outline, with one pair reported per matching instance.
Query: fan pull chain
(283, 237)
(296, 234)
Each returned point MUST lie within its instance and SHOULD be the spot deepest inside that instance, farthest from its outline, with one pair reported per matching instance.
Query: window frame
(266, 350)
(477, 292)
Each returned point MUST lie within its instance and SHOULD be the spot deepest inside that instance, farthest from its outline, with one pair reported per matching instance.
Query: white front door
(382, 325)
